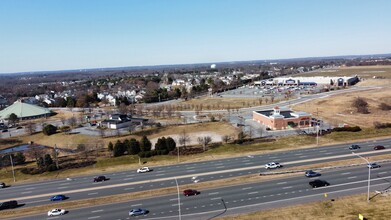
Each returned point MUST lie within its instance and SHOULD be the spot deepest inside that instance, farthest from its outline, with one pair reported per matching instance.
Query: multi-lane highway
(241, 198)
(130, 181)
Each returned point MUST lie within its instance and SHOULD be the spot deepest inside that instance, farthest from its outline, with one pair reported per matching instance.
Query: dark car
(310, 173)
(58, 197)
(100, 178)
(318, 183)
(354, 147)
(9, 204)
(2, 185)
(190, 192)
(379, 147)
(19, 127)
(5, 130)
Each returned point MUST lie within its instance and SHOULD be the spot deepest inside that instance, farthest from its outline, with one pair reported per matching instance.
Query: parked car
(2, 185)
(379, 147)
(5, 130)
(273, 165)
(8, 204)
(318, 183)
(139, 211)
(373, 165)
(100, 178)
(56, 212)
(58, 197)
(144, 170)
(190, 192)
(310, 173)
(354, 147)
(19, 127)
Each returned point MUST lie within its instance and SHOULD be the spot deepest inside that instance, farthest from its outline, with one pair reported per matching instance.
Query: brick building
(279, 119)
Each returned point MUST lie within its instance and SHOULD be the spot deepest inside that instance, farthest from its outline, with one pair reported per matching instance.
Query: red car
(191, 192)
(379, 147)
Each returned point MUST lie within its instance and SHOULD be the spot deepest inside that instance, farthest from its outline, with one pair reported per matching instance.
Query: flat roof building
(279, 119)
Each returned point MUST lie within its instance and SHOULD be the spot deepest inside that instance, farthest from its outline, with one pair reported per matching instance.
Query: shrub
(51, 167)
(350, 129)
(379, 125)
(49, 129)
(385, 107)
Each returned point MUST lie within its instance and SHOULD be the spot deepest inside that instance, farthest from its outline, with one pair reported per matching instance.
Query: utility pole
(12, 165)
(56, 156)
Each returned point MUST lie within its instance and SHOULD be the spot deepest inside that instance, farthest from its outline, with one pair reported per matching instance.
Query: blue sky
(75, 34)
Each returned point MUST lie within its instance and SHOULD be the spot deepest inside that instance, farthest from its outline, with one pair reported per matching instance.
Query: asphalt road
(241, 198)
(38, 193)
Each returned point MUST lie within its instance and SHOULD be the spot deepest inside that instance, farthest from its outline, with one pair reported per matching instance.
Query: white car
(144, 170)
(273, 165)
(55, 212)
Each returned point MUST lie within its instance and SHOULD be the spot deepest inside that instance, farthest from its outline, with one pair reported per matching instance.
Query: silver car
(139, 211)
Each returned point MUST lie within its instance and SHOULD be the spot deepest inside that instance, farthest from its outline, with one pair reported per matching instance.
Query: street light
(12, 165)
(179, 200)
(369, 171)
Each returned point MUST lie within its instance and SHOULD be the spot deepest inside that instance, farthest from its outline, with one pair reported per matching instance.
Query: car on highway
(144, 170)
(318, 183)
(354, 147)
(5, 130)
(311, 173)
(191, 192)
(373, 165)
(100, 178)
(56, 212)
(379, 147)
(58, 197)
(8, 204)
(139, 211)
(2, 185)
(273, 165)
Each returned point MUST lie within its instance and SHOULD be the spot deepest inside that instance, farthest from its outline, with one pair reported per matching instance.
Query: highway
(241, 198)
(38, 193)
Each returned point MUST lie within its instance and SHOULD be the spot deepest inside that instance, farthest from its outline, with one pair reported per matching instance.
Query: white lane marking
(63, 187)
(213, 193)
(302, 156)
(249, 163)
(176, 204)
(136, 205)
(128, 178)
(160, 174)
(287, 187)
(252, 193)
(352, 177)
(215, 198)
(190, 170)
(26, 192)
(54, 217)
(328, 153)
(94, 193)
(129, 188)
(281, 183)
(100, 210)
(382, 172)
(174, 199)
(30, 188)
(298, 154)
(161, 171)
(345, 173)
(246, 188)
(63, 184)
(93, 217)
(220, 167)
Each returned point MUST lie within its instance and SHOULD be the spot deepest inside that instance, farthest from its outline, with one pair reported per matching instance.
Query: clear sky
(40, 35)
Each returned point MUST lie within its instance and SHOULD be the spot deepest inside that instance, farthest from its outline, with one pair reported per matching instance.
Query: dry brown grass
(362, 71)
(344, 208)
(337, 109)
(222, 103)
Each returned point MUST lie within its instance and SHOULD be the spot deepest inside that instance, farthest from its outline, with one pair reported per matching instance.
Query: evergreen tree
(110, 146)
(134, 147)
(145, 144)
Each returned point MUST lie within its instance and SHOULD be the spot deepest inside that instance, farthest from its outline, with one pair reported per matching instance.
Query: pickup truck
(273, 165)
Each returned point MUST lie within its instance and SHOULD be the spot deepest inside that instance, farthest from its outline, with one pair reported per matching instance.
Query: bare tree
(204, 141)
(169, 111)
(30, 127)
(226, 138)
(72, 121)
(122, 109)
(183, 138)
(63, 120)
(35, 151)
(361, 105)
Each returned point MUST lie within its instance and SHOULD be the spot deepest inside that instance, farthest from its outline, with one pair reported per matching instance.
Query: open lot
(338, 110)
(365, 72)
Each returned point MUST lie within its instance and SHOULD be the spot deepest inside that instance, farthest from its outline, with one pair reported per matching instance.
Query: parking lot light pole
(369, 172)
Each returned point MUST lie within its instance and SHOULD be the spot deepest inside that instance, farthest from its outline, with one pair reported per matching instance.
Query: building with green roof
(24, 111)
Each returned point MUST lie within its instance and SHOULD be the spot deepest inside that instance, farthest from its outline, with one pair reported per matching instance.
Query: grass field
(365, 72)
